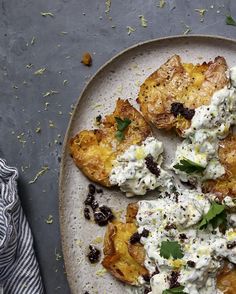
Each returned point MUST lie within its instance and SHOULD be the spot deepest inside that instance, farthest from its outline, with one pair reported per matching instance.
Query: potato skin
(117, 260)
(226, 280)
(174, 81)
(225, 185)
(93, 151)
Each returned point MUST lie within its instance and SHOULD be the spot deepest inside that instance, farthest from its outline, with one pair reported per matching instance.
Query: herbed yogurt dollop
(175, 218)
(138, 169)
(209, 124)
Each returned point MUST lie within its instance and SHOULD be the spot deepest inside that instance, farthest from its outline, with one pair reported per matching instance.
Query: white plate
(120, 77)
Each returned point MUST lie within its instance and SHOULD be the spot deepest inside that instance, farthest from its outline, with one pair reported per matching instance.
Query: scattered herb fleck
(121, 127)
(45, 14)
(29, 65)
(187, 29)
(40, 71)
(32, 42)
(94, 254)
(143, 21)
(161, 4)
(171, 249)
(65, 82)
(178, 290)
(108, 6)
(49, 220)
(38, 130)
(201, 11)
(130, 30)
(189, 166)
(58, 255)
(230, 20)
(50, 93)
(40, 173)
(216, 216)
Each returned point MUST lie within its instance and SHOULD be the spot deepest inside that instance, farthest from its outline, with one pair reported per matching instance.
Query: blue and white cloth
(19, 270)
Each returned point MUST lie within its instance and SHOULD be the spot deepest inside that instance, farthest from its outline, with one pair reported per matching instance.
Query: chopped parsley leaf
(216, 216)
(121, 127)
(171, 249)
(189, 166)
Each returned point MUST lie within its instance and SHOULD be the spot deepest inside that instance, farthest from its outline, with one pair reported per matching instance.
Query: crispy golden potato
(117, 258)
(93, 151)
(131, 212)
(226, 280)
(186, 83)
(225, 185)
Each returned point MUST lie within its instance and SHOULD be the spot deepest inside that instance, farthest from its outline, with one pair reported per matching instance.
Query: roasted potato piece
(225, 185)
(93, 151)
(131, 212)
(226, 280)
(186, 83)
(118, 260)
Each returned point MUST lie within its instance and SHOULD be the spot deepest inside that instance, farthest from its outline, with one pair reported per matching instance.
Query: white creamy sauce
(130, 171)
(209, 124)
(175, 218)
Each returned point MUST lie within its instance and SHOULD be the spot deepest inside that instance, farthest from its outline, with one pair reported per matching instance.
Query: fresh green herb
(161, 4)
(177, 290)
(108, 6)
(216, 216)
(230, 20)
(130, 30)
(121, 126)
(45, 14)
(201, 11)
(171, 248)
(143, 21)
(40, 71)
(49, 220)
(189, 166)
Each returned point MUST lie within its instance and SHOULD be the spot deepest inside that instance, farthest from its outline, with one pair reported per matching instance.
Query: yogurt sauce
(130, 171)
(209, 124)
(174, 217)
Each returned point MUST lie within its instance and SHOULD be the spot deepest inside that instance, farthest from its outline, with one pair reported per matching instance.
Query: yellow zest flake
(139, 153)
(177, 263)
(161, 4)
(143, 21)
(40, 71)
(101, 272)
(51, 124)
(130, 30)
(45, 14)
(231, 235)
(97, 240)
(203, 251)
(200, 197)
(40, 173)
(108, 6)
(201, 11)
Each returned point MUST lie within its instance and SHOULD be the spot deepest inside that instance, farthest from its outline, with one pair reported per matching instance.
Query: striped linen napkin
(19, 271)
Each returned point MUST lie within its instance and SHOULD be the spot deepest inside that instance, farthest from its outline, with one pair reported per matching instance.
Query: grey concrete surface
(30, 41)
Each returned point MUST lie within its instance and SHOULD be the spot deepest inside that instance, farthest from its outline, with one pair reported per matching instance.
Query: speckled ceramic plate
(120, 77)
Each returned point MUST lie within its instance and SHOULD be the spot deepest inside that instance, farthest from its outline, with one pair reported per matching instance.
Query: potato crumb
(86, 59)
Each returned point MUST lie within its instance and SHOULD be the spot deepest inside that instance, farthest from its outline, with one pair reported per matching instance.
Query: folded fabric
(19, 270)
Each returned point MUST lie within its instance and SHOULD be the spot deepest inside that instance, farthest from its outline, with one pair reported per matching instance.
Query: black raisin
(146, 278)
(100, 218)
(94, 205)
(86, 213)
(145, 233)
(178, 108)
(174, 279)
(152, 165)
(107, 212)
(89, 200)
(191, 263)
(183, 237)
(92, 189)
(170, 226)
(98, 119)
(231, 245)
(94, 254)
(135, 238)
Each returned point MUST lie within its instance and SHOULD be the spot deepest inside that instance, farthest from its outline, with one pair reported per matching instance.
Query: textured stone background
(30, 42)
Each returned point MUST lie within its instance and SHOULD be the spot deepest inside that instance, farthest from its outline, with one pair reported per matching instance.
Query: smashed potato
(93, 151)
(118, 260)
(225, 185)
(226, 280)
(168, 97)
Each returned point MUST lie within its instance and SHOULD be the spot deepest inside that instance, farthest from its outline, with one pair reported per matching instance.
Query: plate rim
(66, 137)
